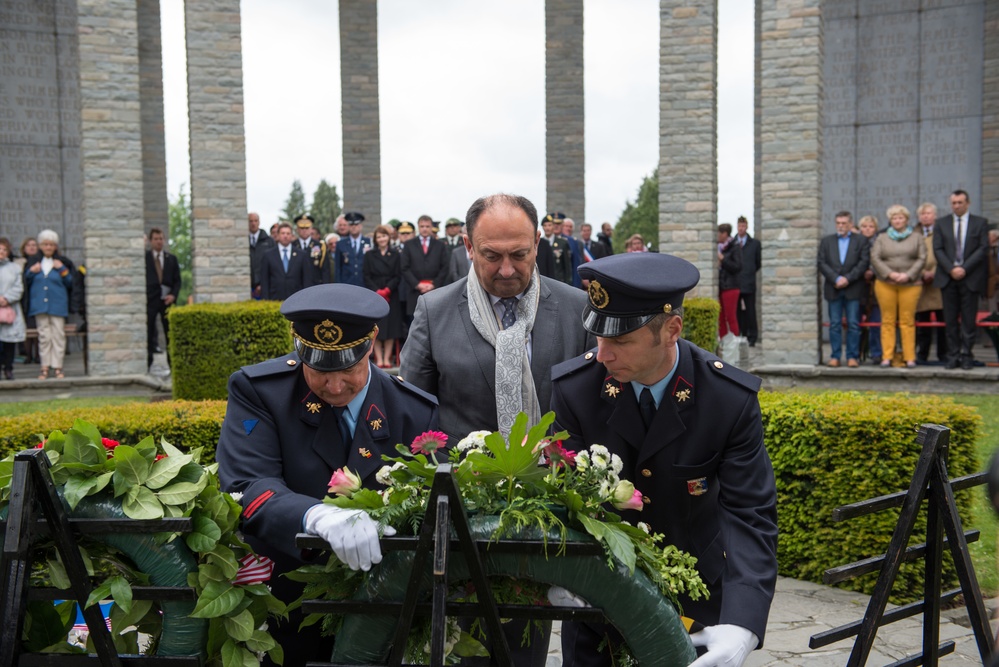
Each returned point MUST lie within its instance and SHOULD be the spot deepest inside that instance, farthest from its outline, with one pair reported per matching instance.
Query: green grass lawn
(95, 402)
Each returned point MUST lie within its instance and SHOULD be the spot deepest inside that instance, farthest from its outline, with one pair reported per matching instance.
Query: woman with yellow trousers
(898, 257)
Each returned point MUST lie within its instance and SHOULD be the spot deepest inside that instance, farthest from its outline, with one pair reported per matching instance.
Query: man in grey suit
(459, 264)
(843, 258)
(485, 345)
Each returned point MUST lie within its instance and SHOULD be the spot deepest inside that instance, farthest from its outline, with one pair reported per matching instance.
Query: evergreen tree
(181, 226)
(325, 207)
(642, 217)
(295, 206)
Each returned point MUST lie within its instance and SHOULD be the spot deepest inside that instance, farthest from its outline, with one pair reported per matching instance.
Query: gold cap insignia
(375, 424)
(327, 333)
(314, 407)
(598, 295)
(668, 308)
(364, 452)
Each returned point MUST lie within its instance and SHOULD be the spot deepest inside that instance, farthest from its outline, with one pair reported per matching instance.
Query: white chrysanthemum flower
(384, 477)
(582, 461)
(237, 495)
(605, 489)
(386, 494)
(600, 457)
(646, 528)
(474, 440)
(616, 464)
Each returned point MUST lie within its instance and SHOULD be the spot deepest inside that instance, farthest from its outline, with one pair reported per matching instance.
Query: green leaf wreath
(528, 480)
(151, 482)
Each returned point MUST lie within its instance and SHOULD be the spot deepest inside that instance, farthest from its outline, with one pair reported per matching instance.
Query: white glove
(352, 534)
(560, 597)
(728, 645)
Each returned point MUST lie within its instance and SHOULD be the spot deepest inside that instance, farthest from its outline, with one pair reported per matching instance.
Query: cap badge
(328, 333)
(668, 308)
(314, 407)
(610, 389)
(682, 395)
(366, 453)
(598, 295)
(697, 487)
(376, 424)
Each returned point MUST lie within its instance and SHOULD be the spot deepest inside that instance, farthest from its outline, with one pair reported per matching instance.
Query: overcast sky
(461, 87)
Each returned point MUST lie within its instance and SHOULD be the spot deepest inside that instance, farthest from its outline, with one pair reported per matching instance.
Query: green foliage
(294, 206)
(836, 448)
(642, 217)
(325, 207)
(186, 424)
(700, 322)
(181, 226)
(210, 341)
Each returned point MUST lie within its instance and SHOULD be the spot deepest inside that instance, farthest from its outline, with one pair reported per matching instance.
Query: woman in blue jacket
(48, 277)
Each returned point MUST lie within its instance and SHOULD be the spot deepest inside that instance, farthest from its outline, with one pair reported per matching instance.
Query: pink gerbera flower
(428, 442)
(557, 455)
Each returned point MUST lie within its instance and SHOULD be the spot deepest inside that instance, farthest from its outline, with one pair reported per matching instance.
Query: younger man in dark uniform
(292, 421)
(688, 429)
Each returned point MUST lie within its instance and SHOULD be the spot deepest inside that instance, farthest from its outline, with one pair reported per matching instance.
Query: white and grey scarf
(515, 391)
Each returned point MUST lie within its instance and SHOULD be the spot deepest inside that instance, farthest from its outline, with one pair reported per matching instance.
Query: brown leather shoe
(852, 363)
(833, 363)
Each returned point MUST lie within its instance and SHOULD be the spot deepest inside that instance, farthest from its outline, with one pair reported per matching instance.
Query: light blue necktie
(284, 259)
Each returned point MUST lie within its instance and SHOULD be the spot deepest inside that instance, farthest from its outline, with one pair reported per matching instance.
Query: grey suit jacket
(444, 355)
(458, 265)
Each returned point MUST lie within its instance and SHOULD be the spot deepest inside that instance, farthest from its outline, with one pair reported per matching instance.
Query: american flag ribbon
(253, 569)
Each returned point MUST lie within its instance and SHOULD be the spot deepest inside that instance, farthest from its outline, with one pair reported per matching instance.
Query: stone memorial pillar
(688, 155)
(565, 156)
(218, 150)
(790, 140)
(362, 172)
(154, 182)
(990, 115)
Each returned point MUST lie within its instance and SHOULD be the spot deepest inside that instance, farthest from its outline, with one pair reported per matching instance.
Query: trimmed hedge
(182, 423)
(836, 448)
(211, 341)
(828, 449)
(700, 322)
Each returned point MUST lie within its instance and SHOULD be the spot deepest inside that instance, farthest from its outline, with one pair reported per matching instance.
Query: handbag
(7, 314)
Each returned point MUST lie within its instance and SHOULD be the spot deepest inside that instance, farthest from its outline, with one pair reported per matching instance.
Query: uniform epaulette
(570, 366)
(413, 389)
(736, 375)
(286, 364)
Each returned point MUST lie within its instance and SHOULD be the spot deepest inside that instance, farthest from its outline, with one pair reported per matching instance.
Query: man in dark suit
(350, 251)
(551, 225)
(752, 254)
(485, 345)
(589, 248)
(843, 258)
(575, 253)
(961, 244)
(546, 258)
(282, 269)
(162, 289)
(606, 232)
(653, 399)
(291, 422)
(424, 263)
(260, 243)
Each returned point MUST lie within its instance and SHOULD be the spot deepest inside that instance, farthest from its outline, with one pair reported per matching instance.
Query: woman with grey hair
(49, 277)
(898, 257)
(12, 332)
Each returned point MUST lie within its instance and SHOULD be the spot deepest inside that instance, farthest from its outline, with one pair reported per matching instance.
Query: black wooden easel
(930, 482)
(446, 513)
(33, 492)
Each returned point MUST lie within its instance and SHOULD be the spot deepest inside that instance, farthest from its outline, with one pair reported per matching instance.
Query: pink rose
(109, 443)
(626, 497)
(344, 482)
(429, 442)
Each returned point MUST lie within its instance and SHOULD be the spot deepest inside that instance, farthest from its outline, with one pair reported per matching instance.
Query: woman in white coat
(11, 289)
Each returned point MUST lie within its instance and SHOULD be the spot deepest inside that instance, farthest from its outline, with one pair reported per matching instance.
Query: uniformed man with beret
(292, 421)
(688, 428)
(315, 251)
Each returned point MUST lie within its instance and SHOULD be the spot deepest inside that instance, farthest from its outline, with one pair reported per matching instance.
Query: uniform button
(589, 355)
(646, 500)
(646, 472)
(45, 300)
(719, 364)
(291, 362)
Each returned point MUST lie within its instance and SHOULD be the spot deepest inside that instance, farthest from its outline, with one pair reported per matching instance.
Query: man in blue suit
(843, 258)
(350, 252)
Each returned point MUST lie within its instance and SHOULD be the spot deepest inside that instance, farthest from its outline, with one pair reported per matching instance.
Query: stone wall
(154, 181)
(218, 150)
(40, 172)
(111, 150)
(790, 140)
(565, 155)
(990, 115)
(688, 124)
(362, 172)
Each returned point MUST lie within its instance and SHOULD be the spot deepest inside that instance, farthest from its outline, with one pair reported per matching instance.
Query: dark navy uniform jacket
(702, 468)
(280, 445)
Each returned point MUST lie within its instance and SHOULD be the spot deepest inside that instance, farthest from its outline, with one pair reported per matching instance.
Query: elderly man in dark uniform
(291, 422)
(687, 426)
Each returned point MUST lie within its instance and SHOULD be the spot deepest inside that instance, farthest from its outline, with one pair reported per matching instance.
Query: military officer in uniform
(292, 421)
(688, 428)
(315, 251)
